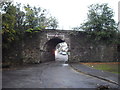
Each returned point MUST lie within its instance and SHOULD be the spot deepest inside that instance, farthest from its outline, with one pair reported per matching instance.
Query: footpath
(104, 75)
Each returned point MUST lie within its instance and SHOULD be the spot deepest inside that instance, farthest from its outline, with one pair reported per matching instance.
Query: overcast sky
(70, 13)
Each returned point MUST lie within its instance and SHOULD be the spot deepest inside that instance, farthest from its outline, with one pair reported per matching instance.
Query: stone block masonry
(39, 46)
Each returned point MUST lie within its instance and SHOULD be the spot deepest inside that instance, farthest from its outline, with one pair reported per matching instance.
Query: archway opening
(61, 52)
(50, 49)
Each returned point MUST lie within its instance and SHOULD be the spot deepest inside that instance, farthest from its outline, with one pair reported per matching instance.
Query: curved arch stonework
(49, 35)
(81, 49)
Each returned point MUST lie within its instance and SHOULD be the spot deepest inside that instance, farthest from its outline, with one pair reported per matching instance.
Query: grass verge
(110, 67)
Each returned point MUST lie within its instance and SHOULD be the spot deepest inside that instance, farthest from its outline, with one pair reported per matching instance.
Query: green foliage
(52, 23)
(8, 22)
(100, 18)
(108, 37)
(105, 67)
(15, 22)
(100, 24)
(37, 17)
(31, 30)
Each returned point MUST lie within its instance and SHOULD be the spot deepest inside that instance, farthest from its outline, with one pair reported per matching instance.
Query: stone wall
(13, 55)
(46, 55)
(83, 50)
(118, 52)
(32, 49)
(34, 46)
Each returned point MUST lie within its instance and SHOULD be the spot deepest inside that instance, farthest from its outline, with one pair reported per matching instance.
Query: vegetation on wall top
(18, 19)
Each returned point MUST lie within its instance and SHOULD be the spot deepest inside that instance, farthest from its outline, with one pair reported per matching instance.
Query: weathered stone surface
(39, 47)
(86, 51)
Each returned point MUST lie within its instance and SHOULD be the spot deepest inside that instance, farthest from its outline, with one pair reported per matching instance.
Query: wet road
(49, 75)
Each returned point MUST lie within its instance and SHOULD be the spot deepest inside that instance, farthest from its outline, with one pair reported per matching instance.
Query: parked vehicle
(63, 53)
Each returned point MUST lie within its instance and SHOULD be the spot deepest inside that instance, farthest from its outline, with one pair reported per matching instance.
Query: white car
(63, 53)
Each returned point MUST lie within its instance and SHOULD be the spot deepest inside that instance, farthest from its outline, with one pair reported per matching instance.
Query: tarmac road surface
(49, 75)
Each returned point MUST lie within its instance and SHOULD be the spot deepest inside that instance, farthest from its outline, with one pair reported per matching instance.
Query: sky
(70, 13)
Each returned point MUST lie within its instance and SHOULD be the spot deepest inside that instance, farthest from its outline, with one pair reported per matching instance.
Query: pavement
(50, 75)
(104, 75)
(57, 74)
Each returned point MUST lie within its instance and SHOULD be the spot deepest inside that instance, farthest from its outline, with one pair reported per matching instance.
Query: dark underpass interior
(50, 47)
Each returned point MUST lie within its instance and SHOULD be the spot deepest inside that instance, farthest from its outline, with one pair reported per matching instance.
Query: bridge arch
(35, 47)
(49, 48)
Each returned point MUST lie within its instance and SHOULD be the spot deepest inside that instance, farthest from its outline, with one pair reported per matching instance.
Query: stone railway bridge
(39, 46)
